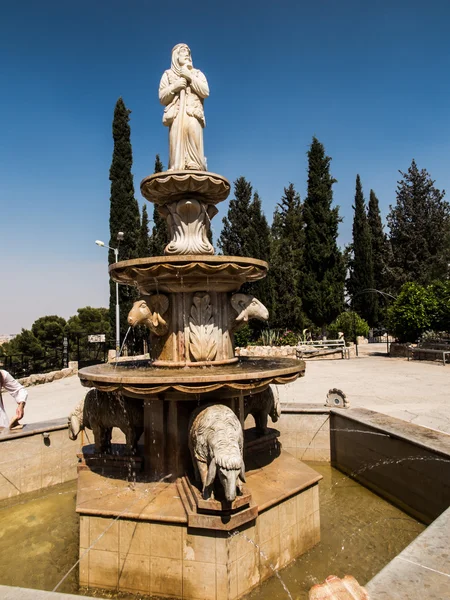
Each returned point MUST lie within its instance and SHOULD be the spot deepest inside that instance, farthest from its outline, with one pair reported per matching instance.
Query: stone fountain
(205, 508)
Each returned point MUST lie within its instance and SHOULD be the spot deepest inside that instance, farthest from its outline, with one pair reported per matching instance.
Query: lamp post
(116, 257)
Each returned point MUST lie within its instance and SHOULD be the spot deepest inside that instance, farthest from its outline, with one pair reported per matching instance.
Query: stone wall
(37, 457)
(286, 352)
(399, 350)
(305, 431)
(407, 464)
(38, 378)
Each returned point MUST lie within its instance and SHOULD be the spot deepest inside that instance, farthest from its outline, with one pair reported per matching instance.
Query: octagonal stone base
(148, 548)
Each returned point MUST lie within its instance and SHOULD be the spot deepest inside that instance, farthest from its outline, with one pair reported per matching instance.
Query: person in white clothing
(20, 395)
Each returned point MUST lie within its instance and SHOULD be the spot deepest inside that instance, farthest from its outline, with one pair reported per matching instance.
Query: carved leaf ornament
(203, 345)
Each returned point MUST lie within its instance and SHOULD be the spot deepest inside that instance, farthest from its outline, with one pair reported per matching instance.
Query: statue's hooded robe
(184, 115)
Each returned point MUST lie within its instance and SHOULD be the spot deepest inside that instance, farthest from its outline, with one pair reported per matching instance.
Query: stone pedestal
(140, 540)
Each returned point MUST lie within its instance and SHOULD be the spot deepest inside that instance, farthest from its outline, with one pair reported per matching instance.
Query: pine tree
(419, 230)
(124, 212)
(361, 264)
(144, 241)
(286, 262)
(380, 253)
(324, 269)
(160, 234)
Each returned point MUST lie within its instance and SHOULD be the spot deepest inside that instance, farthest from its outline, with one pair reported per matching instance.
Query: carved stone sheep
(148, 311)
(261, 405)
(247, 307)
(216, 444)
(101, 411)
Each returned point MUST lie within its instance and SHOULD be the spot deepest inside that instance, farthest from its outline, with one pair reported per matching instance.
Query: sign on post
(96, 338)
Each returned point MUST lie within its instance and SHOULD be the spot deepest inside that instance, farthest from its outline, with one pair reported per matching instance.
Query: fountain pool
(360, 534)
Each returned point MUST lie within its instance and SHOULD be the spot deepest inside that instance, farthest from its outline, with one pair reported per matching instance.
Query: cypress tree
(324, 269)
(160, 234)
(262, 289)
(124, 212)
(380, 251)
(286, 261)
(246, 233)
(361, 263)
(144, 241)
(419, 230)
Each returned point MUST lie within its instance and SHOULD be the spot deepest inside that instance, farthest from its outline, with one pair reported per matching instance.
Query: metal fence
(81, 347)
(75, 347)
(381, 339)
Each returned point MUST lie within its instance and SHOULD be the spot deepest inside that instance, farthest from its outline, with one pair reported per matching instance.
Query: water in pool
(360, 532)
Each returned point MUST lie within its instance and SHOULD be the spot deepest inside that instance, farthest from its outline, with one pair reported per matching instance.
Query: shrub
(243, 336)
(413, 312)
(288, 338)
(350, 323)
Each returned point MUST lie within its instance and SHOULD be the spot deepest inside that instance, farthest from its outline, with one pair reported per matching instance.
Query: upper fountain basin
(190, 272)
(171, 186)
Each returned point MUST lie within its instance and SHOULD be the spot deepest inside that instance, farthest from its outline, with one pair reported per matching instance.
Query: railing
(75, 347)
(380, 339)
(21, 365)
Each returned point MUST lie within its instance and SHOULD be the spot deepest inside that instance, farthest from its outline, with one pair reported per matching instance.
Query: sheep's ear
(212, 469)
(75, 425)
(242, 473)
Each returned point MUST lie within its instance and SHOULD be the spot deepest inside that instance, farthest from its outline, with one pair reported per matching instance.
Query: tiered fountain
(166, 533)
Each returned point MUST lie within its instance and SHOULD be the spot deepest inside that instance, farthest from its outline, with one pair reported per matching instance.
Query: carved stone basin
(188, 273)
(170, 186)
(141, 378)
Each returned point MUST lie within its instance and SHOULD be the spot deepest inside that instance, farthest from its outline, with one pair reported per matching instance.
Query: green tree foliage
(89, 321)
(238, 234)
(49, 330)
(324, 268)
(412, 312)
(419, 230)
(160, 234)
(124, 212)
(262, 289)
(144, 241)
(361, 264)
(441, 292)
(351, 325)
(286, 261)
(246, 233)
(380, 251)
(26, 344)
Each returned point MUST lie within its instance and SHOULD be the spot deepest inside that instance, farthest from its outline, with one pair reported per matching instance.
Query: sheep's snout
(229, 478)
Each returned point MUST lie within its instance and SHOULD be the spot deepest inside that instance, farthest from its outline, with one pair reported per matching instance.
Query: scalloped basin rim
(142, 372)
(182, 259)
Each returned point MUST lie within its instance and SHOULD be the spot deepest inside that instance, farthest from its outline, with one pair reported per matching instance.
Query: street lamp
(116, 256)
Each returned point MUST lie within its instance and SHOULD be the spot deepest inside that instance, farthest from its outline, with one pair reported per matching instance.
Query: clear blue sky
(370, 79)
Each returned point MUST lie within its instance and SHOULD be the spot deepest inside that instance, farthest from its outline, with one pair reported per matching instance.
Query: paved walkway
(416, 391)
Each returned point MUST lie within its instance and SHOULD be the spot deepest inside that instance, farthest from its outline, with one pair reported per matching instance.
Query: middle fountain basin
(169, 396)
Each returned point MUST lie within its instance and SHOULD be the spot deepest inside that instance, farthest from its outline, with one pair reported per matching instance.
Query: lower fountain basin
(140, 378)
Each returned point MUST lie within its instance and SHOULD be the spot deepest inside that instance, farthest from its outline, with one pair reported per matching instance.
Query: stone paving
(416, 391)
